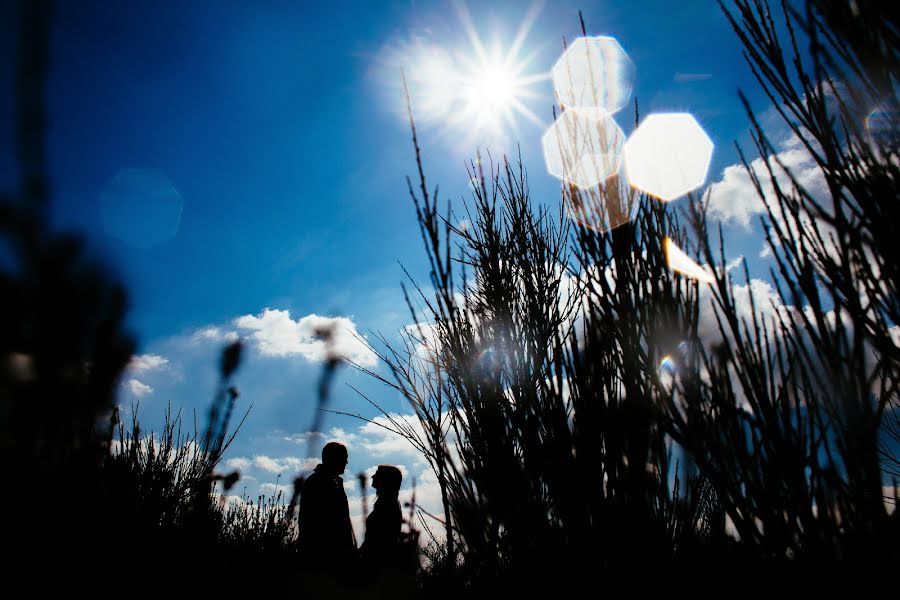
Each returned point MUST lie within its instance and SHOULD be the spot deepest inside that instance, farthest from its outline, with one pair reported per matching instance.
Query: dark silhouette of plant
(796, 421)
(576, 421)
(63, 347)
(74, 491)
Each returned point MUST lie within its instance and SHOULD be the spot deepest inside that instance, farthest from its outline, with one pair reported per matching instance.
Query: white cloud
(138, 389)
(142, 363)
(424, 340)
(272, 489)
(404, 472)
(380, 442)
(335, 434)
(732, 264)
(764, 295)
(734, 199)
(212, 333)
(279, 466)
(276, 334)
(239, 463)
(235, 501)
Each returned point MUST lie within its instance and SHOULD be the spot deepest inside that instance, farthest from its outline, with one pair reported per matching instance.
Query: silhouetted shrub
(576, 421)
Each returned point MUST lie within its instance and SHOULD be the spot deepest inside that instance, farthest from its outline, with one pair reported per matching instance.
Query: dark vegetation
(763, 460)
(582, 431)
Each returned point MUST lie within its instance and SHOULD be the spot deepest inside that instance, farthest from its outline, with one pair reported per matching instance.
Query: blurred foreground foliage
(88, 503)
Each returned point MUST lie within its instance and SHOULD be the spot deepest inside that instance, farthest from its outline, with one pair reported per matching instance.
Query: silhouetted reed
(534, 366)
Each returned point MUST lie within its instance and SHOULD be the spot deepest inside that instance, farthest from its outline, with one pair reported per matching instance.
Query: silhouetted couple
(325, 534)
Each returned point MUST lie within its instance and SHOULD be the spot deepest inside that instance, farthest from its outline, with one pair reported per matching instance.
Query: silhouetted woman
(382, 544)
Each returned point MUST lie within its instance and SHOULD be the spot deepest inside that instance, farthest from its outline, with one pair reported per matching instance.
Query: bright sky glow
(491, 89)
(594, 74)
(668, 155)
(473, 93)
(680, 262)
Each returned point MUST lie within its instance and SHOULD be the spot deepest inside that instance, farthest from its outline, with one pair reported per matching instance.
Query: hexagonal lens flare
(140, 207)
(582, 150)
(594, 74)
(881, 124)
(601, 208)
(668, 155)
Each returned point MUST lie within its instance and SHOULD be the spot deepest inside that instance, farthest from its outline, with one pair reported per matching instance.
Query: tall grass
(577, 422)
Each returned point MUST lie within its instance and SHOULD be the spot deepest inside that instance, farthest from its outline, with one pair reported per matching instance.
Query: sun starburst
(476, 94)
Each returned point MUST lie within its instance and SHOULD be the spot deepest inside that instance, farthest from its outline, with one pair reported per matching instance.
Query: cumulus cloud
(370, 472)
(138, 389)
(424, 341)
(275, 333)
(335, 434)
(758, 291)
(142, 363)
(273, 489)
(239, 463)
(212, 333)
(277, 466)
(734, 263)
(734, 199)
(379, 442)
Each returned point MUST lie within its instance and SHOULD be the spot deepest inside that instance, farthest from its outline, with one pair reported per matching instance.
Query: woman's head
(387, 480)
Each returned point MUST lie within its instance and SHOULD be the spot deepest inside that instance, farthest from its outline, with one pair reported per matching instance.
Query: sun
(475, 94)
(495, 82)
(493, 92)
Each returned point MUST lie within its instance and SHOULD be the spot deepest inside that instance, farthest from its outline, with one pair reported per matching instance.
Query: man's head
(334, 457)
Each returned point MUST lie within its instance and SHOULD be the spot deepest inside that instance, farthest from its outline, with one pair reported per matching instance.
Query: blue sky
(264, 155)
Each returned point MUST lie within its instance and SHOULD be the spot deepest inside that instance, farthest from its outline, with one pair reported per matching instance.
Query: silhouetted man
(325, 534)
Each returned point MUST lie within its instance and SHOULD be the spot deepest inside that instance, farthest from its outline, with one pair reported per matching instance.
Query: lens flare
(601, 209)
(671, 365)
(667, 363)
(668, 155)
(581, 150)
(595, 75)
(476, 93)
(881, 124)
(680, 262)
(140, 207)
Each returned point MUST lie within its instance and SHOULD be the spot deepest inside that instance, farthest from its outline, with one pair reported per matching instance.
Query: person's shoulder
(315, 480)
